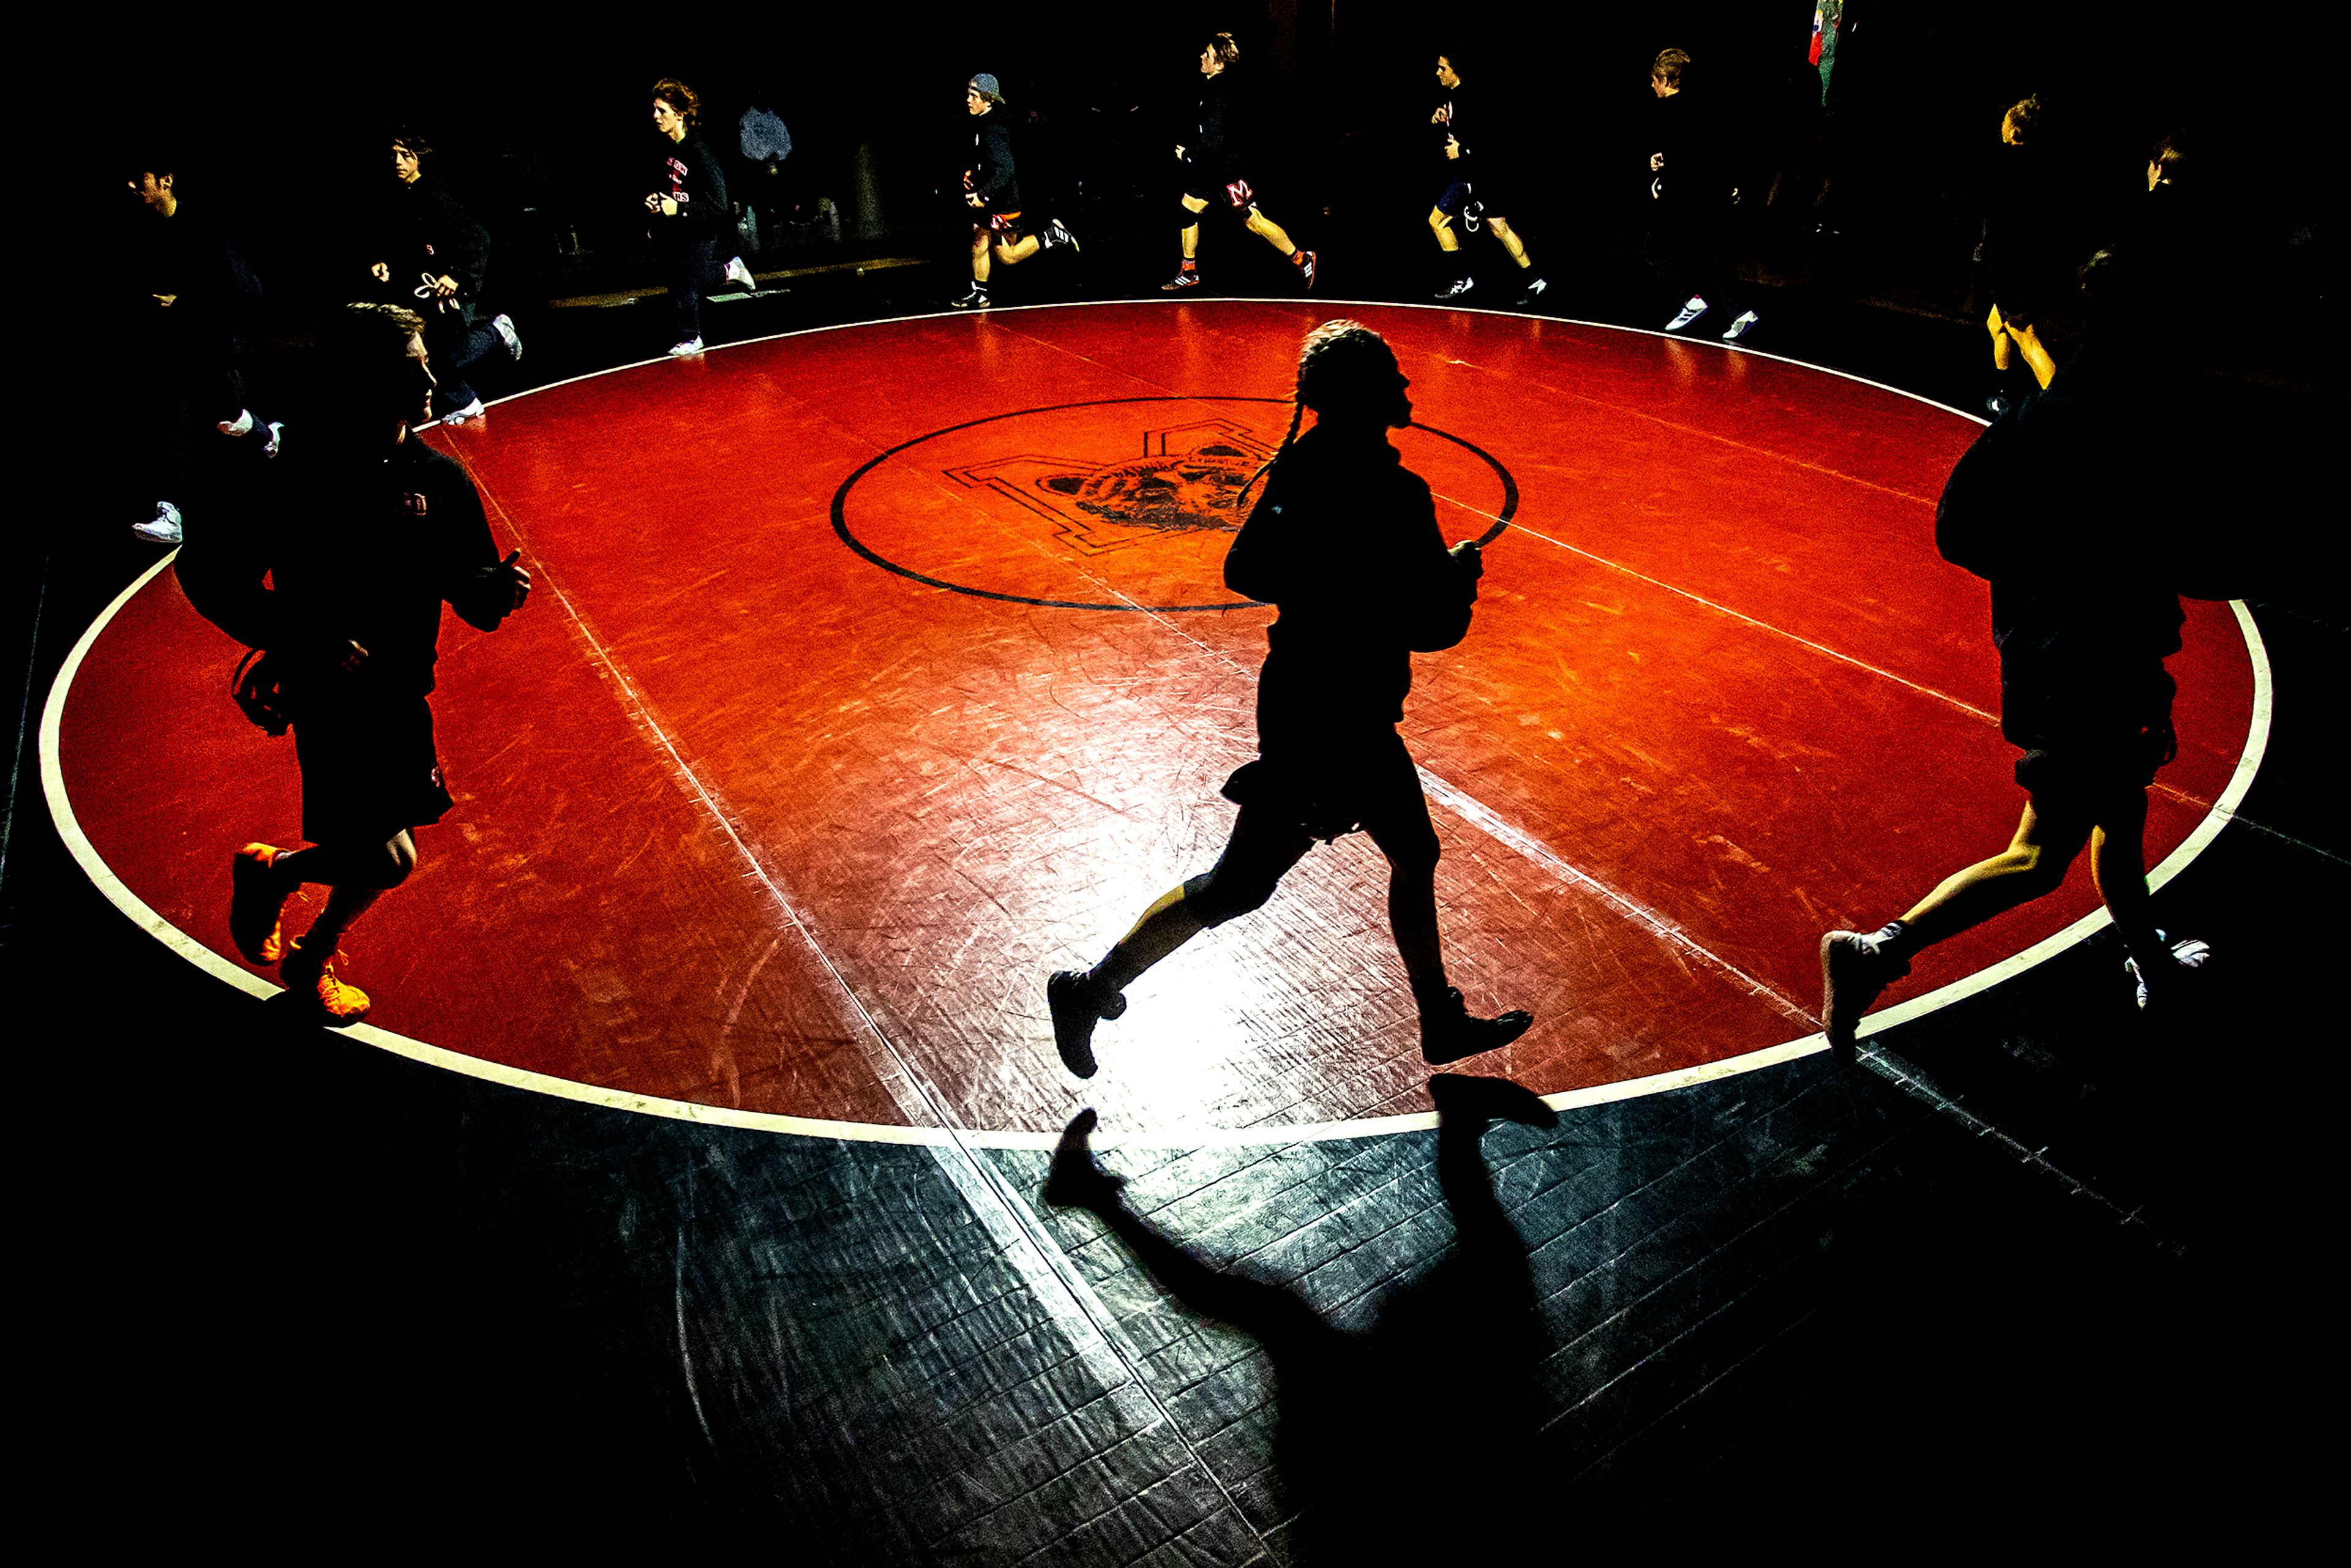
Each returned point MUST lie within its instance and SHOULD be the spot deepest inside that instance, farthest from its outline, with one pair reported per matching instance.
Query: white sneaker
(1692, 308)
(686, 350)
(1738, 328)
(1456, 289)
(738, 272)
(2189, 953)
(504, 328)
(242, 424)
(465, 415)
(277, 428)
(164, 528)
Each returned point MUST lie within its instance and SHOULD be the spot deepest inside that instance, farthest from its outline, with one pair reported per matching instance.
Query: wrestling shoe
(311, 978)
(738, 272)
(1076, 1179)
(1996, 404)
(241, 425)
(1056, 234)
(503, 325)
(1531, 294)
(276, 434)
(1187, 278)
(164, 528)
(256, 904)
(2189, 953)
(975, 298)
(1738, 328)
(1306, 266)
(686, 350)
(1456, 290)
(465, 415)
(1692, 308)
(1449, 1032)
(1854, 970)
(1077, 1005)
(1461, 1097)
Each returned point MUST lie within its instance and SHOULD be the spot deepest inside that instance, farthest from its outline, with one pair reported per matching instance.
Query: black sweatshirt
(1213, 146)
(421, 229)
(1484, 146)
(359, 544)
(688, 173)
(993, 177)
(2067, 507)
(189, 257)
(1344, 540)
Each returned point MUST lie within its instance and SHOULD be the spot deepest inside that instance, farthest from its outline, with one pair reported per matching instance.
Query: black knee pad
(1213, 900)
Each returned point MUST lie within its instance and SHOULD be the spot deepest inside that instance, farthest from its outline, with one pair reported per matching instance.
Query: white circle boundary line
(141, 915)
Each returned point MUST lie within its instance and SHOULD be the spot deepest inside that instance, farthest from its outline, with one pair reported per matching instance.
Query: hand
(1444, 115)
(518, 579)
(445, 288)
(1452, 148)
(975, 199)
(350, 657)
(380, 272)
(1657, 162)
(165, 300)
(668, 208)
(1179, 154)
(653, 204)
(1472, 557)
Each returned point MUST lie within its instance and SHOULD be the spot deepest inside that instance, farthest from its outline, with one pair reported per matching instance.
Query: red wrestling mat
(873, 673)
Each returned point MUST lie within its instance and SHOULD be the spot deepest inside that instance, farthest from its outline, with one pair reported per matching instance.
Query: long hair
(1330, 365)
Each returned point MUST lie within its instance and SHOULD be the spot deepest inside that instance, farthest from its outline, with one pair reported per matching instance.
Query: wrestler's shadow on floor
(1416, 1435)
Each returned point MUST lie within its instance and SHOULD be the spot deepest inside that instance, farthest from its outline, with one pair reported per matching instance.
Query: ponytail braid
(1331, 351)
(1297, 418)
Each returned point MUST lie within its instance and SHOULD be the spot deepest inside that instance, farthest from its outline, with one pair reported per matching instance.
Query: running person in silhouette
(1344, 540)
(991, 188)
(1212, 172)
(332, 562)
(1477, 187)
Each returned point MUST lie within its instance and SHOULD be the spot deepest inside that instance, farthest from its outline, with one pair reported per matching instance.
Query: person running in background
(1477, 188)
(1344, 540)
(991, 188)
(1690, 198)
(431, 256)
(2066, 507)
(333, 563)
(688, 208)
(2022, 253)
(191, 294)
(1213, 164)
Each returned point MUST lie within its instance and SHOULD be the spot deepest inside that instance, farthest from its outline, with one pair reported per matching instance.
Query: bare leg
(1999, 343)
(1412, 917)
(2028, 343)
(979, 248)
(1255, 858)
(2118, 865)
(1266, 229)
(1511, 241)
(1442, 227)
(2031, 866)
(1011, 255)
(354, 880)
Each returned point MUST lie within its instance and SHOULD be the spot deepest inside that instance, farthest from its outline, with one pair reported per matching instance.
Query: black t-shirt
(419, 230)
(1344, 540)
(1214, 145)
(1472, 120)
(363, 546)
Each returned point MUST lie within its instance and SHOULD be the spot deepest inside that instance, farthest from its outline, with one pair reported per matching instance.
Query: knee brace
(1213, 900)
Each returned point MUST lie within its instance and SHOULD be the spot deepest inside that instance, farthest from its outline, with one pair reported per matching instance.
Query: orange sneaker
(313, 980)
(255, 905)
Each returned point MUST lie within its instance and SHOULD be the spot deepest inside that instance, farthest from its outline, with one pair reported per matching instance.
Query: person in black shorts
(331, 563)
(1344, 540)
(1211, 159)
(688, 212)
(991, 188)
(2065, 508)
(1477, 188)
(431, 256)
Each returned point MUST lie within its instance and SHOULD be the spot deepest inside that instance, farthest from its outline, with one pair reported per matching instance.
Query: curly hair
(1226, 50)
(1333, 364)
(2024, 116)
(679, 97)
(1668, 66)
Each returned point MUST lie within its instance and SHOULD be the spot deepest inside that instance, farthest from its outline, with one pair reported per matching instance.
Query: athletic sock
(1188, 265)
(1298, 258)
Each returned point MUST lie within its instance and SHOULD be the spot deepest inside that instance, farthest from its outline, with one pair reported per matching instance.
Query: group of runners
(335, 542)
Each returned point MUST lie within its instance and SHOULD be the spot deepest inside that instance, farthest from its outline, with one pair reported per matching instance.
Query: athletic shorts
(1005, 223)
(1332, 785)
(2076, 764)
(1235, 196)
(369, 770)
(1457, 197)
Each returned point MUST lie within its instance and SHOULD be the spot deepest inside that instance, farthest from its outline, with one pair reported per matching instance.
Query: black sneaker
(1306, 269)
(974, 300)
(2189, 953)
(1456, 290)
(1531, 294)
(1854, 970)
(1077, 1007)
(1449, 1032)
(1056, 234)
(1187, 278)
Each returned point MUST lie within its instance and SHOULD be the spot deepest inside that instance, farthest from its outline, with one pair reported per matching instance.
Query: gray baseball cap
(987, 86)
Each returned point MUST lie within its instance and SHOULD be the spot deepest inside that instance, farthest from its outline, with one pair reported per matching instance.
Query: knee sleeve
(1185, 216)
(1213, 899)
